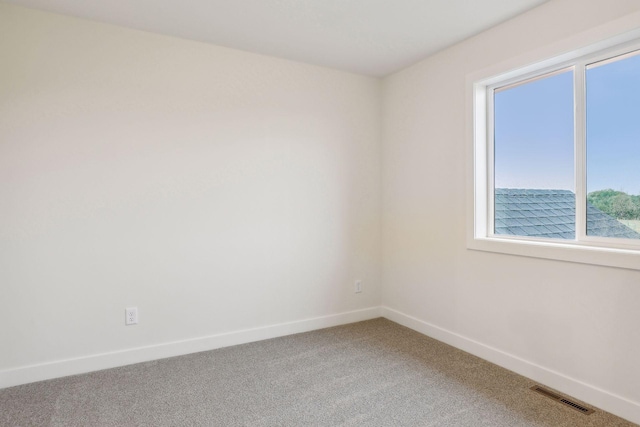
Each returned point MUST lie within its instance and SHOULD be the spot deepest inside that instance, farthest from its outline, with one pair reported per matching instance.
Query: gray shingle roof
(550, 213)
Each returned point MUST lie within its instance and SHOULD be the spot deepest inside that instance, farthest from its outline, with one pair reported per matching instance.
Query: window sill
(559, 251)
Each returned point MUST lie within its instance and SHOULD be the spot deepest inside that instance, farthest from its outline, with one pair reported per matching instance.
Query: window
(557, 159)
(533, 157)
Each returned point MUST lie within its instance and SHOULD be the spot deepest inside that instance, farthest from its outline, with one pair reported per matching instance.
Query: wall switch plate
(358, 287)
(131, 316)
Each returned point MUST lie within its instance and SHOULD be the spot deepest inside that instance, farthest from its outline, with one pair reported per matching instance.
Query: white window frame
(614, 252)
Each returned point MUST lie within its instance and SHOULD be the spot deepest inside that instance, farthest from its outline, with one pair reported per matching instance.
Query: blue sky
(613, 126)
(534, 131)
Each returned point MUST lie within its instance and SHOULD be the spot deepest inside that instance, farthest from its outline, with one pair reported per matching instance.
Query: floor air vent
(571, 404)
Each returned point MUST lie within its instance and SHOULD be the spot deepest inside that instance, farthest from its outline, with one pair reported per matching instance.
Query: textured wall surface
(578, 320)
(214, 189)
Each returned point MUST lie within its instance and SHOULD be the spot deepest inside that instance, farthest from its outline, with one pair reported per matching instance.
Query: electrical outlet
(358, 287)
(131, 316)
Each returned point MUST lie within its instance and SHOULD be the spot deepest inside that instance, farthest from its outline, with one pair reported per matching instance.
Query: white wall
(214, 189)
(573, 325)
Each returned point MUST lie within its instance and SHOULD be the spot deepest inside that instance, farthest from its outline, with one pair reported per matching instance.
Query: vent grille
(571, 404)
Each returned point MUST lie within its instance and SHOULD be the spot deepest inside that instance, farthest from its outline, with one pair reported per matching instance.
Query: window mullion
(580, 151)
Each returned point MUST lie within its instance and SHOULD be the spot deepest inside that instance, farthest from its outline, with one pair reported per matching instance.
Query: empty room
(320, 213)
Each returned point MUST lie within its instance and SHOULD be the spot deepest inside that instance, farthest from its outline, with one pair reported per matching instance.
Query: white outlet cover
(131, 315)
(358, 286)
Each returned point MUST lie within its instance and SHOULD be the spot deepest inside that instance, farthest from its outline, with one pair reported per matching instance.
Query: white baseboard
(602, 399)
(96, 362)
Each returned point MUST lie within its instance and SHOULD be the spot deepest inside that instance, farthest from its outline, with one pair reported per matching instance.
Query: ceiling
(372, 37)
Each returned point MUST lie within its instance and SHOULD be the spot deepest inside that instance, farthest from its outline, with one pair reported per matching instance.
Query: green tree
(618, 204)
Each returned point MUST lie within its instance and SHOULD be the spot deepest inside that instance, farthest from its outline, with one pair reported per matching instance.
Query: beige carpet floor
(373, 373)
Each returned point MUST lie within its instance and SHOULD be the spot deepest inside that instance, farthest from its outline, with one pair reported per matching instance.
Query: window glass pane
(534, 158)
(613, 148)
